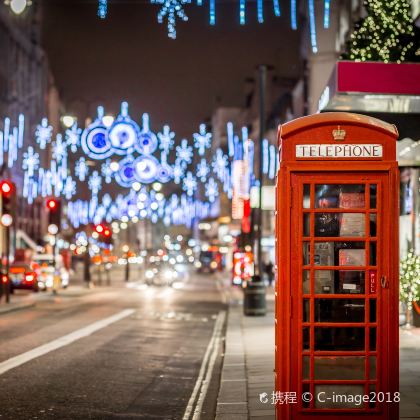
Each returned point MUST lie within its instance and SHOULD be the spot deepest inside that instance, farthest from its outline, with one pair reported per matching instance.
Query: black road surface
(144, 366)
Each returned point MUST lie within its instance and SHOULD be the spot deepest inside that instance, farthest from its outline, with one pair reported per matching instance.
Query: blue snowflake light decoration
(166, 139)
(189, 184)
(30, 161)
(202, 140)
(59, 148)
(106, 171)
(73, 137)
(212, 190)
(95, 183)
(220, 163)
(178, 171)
(203, 169)
(69, 187)
(81, 169)
(184, 153)
(171, 10)
(43, 133)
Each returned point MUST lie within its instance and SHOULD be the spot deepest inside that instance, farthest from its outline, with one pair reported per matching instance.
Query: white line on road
(62, 341)
(207, 380)
(212, 346)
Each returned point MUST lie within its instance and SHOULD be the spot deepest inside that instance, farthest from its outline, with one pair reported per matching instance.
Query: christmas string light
(276, 7)
(312, 25)
(384, 35)
(102, 8)
(327, 4)
(293, 14)
(242, 5)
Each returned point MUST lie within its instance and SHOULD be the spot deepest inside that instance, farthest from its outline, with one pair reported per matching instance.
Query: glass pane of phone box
(344, 196)
(336, 253)
(340, 338)
(339, 282)
(339, 310)
(339, 368)
(338, 225)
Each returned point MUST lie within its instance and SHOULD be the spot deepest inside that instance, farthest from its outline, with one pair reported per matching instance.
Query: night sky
(129, 57)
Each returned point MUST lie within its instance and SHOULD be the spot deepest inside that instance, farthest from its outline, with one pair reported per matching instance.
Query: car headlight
(168, 274)
(149, 274)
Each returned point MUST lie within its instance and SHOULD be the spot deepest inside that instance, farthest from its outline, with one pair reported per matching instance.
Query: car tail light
(29, 277)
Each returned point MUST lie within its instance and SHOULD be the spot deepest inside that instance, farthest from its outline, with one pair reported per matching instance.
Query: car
(22, 276)
(43, 266)
(207, 262)
(160, 274)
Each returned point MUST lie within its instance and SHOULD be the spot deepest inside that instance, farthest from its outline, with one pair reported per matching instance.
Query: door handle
(384, 282)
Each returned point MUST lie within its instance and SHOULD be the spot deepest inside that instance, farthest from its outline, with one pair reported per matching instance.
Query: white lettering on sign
(339, 151)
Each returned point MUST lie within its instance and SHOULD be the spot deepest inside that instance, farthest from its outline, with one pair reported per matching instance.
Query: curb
(7, 307)
(232, 401)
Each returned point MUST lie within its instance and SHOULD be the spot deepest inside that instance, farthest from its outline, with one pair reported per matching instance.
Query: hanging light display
(134, 157)
(172, 10)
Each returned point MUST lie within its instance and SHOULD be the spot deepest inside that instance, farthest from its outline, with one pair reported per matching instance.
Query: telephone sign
(337, 255)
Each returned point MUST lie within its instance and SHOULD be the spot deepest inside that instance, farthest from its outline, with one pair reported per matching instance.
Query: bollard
(254, 298)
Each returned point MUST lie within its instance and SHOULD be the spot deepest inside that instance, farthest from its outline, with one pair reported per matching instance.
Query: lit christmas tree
(410, 282)
(386, 34)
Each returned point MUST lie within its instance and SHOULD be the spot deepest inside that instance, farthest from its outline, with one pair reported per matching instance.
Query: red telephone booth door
(340, 278)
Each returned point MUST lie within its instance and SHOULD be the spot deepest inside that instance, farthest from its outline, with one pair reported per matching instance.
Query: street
(144, 365)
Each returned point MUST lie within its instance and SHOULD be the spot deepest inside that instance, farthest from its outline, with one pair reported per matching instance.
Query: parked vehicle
(22, 276)
(43, 266)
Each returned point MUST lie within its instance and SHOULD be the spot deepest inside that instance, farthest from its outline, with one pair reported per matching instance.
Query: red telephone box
(337, 258)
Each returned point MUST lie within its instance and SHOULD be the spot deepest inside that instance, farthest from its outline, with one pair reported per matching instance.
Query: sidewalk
(249, 363)
(410, 373)
(28, 299)
(16, 303)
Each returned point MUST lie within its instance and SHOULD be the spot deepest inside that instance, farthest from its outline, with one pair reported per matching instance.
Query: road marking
(62, 341)
(211, 353)
(233, 380)
(231, 403)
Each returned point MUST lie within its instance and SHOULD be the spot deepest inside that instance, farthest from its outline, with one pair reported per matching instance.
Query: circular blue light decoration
(123, 136)
(146, 169)
(124, 132)
(94, 140)
(125, 176)
(164, 173)
(147, 141)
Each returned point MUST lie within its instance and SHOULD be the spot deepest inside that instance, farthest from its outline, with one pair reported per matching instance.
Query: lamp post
(262, 81)
(126, 250)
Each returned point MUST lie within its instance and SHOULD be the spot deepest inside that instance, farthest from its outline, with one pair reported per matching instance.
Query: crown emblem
(339, 134)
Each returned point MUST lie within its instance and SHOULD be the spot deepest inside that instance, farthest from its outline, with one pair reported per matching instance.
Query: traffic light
(8, 200)
(105, 232)
(54, 215)
(108, 236)
(99, 229)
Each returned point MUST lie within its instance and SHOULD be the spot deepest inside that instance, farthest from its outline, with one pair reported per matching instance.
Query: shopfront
(390, 92)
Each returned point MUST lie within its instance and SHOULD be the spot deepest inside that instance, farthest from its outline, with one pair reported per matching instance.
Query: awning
(388, 91)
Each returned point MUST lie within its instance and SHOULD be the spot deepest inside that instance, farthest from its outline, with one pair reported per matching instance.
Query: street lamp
(6, 220)
(68, 121)
(108, 120)
(18, 6)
